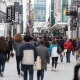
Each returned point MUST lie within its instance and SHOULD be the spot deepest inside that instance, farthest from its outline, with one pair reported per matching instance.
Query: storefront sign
(18, 13)
(10, 14)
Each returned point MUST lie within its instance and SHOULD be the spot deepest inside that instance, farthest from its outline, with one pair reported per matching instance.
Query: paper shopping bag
(63, 54)
(37, 65)
(65, 50)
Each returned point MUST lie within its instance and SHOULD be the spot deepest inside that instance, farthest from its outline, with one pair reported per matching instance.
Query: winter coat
(44, 54)
(17, 46)
(61, 44)
(68, 46)
(30, 52)
(10, 43)
(53, 51)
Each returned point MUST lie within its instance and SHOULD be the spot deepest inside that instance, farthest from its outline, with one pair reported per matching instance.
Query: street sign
(76, 3)
(10, 14)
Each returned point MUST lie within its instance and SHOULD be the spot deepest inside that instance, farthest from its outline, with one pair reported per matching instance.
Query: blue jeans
(3, 58)
(68, 56)
(18, 64)
(40, 73)
(27, 68)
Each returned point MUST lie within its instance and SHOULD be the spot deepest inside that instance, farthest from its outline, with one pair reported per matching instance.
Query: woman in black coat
(10, 42)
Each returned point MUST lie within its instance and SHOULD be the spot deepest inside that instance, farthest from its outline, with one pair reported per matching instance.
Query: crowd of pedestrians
(28, 48)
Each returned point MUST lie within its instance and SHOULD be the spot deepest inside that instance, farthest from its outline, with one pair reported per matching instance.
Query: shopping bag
(63, 54)
(65, 50)
(12, 54)
(37, 64)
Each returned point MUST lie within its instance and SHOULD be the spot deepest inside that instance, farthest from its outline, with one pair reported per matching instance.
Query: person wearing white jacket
(54, 54)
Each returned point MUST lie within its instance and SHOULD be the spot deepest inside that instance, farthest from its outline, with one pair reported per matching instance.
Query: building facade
(61, 20)
(4, 27)
(40, 10)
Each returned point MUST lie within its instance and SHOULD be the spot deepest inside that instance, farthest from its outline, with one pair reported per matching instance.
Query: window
(65, 2)
(44, 17)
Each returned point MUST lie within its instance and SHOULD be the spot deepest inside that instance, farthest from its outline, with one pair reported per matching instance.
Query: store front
(58, 29)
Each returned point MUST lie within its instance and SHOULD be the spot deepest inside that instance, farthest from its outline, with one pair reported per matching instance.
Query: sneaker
(7, 61)
(19, 75)
(1, 74)
(22, 73)
(52, 69)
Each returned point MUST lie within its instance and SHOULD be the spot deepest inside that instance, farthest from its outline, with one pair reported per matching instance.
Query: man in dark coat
(61, 44)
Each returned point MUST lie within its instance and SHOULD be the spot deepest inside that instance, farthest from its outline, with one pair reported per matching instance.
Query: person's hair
(3, 44)
(54, 42)
(18, 37)
(42, 41)
(27, 38)
(61, 37)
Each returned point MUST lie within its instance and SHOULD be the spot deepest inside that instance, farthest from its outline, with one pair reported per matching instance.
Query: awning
(59, 25)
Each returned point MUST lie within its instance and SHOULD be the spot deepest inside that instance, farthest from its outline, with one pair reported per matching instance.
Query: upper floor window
(65, 2)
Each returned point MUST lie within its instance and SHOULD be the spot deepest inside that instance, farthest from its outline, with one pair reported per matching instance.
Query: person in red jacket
(69, 46)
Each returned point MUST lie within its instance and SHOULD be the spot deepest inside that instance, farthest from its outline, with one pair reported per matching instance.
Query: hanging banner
(10, 14)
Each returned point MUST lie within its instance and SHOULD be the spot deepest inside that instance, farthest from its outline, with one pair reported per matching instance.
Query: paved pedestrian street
(64, 71)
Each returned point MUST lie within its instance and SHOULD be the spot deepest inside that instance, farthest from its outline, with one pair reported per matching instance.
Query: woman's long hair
(18, 37)
(3, 44)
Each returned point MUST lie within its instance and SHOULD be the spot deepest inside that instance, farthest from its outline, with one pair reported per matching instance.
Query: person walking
(54, 54)
(61, 44)
(28, 55)
(17, 43)
(46, 44)
(3, 54)
(77, 70)
(69, 46)
(43, 52)
(10, 43)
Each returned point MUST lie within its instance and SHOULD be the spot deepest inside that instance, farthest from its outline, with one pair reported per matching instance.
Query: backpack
(59, 50)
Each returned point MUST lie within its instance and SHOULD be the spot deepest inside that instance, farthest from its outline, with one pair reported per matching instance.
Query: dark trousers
(68, 56)
(40, 73)
(8, 55)
(76, 69)
(61, 58)
(18, 64)
(54, 61)
(27, 68)
(2, 62)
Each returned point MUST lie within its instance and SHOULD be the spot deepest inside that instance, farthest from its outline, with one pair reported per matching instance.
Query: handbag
(12, 54)
(63, 54)
(37, 64)
(59, 49)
